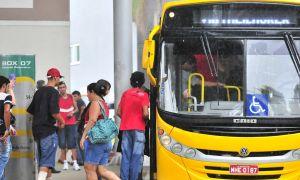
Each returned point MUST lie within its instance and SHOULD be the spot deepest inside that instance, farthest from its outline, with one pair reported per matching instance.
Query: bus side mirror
(148, 54)
(148, 59)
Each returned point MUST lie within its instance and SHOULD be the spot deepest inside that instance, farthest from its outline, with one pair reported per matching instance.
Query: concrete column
(122, 47)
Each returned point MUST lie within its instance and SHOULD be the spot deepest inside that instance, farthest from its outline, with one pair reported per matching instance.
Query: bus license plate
(243, 169)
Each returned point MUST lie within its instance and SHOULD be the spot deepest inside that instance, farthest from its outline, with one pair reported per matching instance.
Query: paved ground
(80, 175)
(76, 175)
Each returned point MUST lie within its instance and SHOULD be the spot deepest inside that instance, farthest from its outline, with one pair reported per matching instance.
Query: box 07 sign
(16, 63)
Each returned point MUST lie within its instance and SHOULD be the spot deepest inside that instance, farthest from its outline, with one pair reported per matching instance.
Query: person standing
(39, 84)
(133, 110)
(96, 155)
(81, 106)
(67, 136)
(45, 110)
(10, 91)
(5, 118)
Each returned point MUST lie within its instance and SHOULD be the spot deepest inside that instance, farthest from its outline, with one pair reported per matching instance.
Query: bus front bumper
(171, 166)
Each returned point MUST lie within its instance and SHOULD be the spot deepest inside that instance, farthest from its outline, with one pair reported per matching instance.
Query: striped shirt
(4, 99)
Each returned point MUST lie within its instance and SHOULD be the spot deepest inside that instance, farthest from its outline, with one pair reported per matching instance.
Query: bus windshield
(229, 78)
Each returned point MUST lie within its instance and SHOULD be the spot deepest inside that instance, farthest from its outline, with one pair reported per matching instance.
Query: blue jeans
(46, 148)
(133, 143)
(5, 149)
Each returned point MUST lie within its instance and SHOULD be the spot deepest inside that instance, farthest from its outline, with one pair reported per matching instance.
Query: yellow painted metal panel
(212, 142)
(170, 166)
(163, 125)
(19, 111)
(149, 54)
(168, 163)
(24, 133)
(196, 168)
(18, 154)
(24, 79)
(254, 144)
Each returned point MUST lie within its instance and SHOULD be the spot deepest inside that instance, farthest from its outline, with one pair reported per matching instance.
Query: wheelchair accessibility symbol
(257, 105)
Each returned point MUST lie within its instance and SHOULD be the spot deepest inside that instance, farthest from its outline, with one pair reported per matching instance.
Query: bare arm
(7, 116)
(74, 110)
(75, 106)
(145, 112)
(81, 111)
(11, 92)
(60, 119)
(119, 111)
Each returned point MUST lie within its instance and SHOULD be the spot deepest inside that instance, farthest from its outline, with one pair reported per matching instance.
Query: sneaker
(76, 166)
(66, 166)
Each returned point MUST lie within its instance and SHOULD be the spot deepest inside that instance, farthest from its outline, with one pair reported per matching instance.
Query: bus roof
(191, 2)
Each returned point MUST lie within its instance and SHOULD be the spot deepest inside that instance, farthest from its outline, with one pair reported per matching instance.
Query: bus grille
(220, 176)
(236, 154)
(243, 131)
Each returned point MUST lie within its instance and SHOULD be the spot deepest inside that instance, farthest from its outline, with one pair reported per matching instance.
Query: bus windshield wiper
(206, 55)
(290, 43)
(210, 61)
(209, 57)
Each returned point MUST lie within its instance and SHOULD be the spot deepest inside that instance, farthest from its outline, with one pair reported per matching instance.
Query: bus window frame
(245, 38)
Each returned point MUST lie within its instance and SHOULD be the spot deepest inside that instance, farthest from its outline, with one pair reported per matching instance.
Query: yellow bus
(225, 90)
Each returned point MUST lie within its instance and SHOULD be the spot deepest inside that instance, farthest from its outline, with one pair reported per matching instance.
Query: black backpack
(80, 128)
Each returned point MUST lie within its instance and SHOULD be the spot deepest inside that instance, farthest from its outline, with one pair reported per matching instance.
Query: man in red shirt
(67, 136)
(133, 110)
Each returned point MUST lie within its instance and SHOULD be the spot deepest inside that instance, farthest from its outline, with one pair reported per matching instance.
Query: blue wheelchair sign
(257, 105)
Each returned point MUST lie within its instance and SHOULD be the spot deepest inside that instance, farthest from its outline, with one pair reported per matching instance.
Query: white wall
(48, 40)
(92, 28)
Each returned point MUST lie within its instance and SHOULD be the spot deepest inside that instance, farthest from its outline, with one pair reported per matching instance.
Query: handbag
(104, 130)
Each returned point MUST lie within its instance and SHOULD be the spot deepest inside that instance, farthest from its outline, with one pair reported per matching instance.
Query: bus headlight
(176, 148)
(296, 154)
(165, 140)
(190, 153)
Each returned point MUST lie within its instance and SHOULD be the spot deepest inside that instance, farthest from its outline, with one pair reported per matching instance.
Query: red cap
(53, 72)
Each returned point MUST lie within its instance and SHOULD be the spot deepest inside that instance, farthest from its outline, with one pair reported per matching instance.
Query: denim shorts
(46, 149)
(67, 137)
(96, 154)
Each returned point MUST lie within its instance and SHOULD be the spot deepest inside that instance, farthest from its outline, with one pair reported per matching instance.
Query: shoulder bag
(104, 130)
